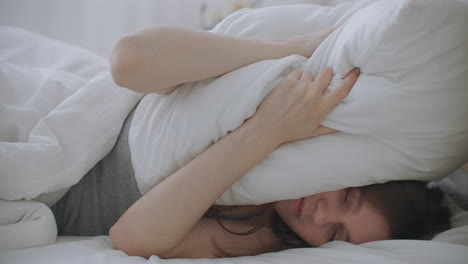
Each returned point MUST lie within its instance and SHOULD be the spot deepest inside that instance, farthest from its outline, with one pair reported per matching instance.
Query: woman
(176, 218)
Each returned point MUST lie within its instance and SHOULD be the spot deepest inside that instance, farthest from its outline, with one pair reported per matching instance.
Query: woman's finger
(323, 79)
(307, 77)
(295, 75)
(323, 130)
(342, 90)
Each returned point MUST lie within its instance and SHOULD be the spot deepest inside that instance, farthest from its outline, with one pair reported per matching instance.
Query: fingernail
(357, 70)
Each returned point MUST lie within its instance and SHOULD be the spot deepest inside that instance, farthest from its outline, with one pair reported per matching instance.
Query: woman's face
(337, 215)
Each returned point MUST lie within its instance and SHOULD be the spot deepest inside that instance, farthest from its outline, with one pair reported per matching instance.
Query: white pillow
(406, 117)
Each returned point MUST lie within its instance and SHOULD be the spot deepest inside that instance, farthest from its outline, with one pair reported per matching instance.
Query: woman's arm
(163, 217)
(158, 59)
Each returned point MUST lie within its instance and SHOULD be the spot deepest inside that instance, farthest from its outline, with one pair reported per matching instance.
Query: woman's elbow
(119, 240)
(125, 239)
(121, 64)
(122, 240)
(131, 59)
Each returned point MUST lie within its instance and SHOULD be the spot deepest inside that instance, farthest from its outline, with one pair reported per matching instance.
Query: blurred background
(97, 24)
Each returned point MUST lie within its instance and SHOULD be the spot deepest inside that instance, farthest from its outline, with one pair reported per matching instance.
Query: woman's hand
(297, 106)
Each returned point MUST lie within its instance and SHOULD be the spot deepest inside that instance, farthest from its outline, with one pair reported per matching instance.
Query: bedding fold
(26, 224)
(60, 113)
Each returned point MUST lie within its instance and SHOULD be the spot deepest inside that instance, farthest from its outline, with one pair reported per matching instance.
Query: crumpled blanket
(60, 113)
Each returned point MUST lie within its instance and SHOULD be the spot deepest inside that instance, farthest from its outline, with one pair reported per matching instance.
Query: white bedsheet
(98, 250)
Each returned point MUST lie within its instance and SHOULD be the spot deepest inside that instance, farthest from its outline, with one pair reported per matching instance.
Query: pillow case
(405, 118)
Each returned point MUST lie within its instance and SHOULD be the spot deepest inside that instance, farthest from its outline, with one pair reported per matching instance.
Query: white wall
(97, 24)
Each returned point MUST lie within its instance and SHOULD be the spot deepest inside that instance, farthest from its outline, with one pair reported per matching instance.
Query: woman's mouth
(297, 206)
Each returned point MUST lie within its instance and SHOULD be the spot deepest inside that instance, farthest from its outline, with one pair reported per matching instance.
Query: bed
(67, 74)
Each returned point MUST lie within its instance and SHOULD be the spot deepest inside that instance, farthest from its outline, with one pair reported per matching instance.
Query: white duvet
(60, 113)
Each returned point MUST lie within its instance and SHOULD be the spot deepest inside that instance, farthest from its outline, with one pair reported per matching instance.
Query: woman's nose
(325, 213)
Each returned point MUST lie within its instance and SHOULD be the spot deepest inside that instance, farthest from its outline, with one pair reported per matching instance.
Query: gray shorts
(95, 203)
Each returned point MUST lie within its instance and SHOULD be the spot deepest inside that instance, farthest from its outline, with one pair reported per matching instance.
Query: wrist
(286, 48)
(260, 133)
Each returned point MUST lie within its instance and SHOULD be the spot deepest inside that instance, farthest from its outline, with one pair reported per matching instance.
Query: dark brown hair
(413, 211)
